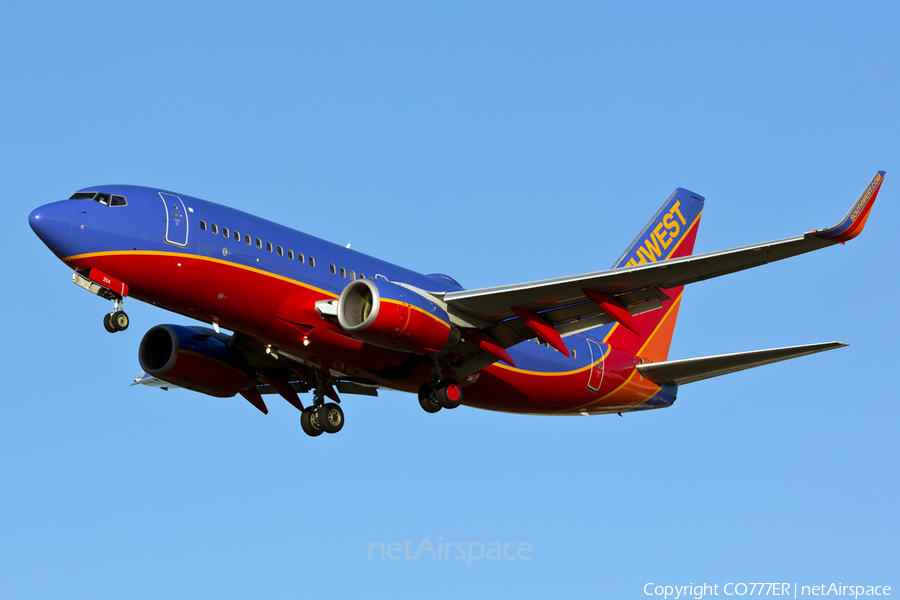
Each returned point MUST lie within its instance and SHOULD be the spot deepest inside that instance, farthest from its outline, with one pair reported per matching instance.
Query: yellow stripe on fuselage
(551, 374)
(235, 265)
(202, 258)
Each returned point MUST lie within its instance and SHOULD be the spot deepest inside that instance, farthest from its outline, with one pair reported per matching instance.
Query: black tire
(331, 417)
(449, 394)
(426, 399)
(108, 323)
(309, 424)
(429, 405)
(120, 321)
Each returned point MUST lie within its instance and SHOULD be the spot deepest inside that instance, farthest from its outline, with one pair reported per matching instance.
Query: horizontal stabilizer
(689, 370)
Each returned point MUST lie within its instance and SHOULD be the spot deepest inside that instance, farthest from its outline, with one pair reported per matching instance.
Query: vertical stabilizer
(669, 234)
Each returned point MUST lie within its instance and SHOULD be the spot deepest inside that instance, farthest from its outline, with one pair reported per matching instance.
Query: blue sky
(498, 143)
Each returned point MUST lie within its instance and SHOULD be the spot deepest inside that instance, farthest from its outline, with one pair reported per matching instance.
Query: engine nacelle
(391, 316)
(194, 358)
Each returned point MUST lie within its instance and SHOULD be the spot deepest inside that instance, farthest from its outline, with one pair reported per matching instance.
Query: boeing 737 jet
(311, 316)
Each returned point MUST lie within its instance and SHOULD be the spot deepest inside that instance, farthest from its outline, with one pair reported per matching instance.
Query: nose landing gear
(117, 320)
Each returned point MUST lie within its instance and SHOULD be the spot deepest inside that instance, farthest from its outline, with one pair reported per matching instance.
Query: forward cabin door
(176, 220)
(596, 370)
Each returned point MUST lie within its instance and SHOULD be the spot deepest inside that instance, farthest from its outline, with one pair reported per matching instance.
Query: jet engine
(195, 358)
(391, 316)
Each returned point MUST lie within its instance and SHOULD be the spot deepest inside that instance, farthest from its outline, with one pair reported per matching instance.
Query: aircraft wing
(562, 300)
(496, 303)
(568, 305)
(151, 381)
(680, 372)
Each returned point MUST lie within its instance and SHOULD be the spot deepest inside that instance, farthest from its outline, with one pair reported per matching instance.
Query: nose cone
(53, 224)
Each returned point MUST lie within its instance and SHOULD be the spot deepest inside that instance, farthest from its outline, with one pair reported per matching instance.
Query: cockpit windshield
(104, 199)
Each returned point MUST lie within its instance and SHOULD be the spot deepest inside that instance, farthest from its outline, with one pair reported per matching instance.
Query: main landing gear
(439, 393)
(327, 418)
(321, 417)
(117, 320)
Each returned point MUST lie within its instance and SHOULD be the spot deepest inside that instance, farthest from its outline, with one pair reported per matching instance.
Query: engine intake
(391, 316)
(194, 358)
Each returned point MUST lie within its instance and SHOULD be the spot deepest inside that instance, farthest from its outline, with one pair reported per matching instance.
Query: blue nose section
(53, 224)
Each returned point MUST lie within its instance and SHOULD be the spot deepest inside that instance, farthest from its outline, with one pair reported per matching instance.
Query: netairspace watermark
(764, 589)
(467, 551)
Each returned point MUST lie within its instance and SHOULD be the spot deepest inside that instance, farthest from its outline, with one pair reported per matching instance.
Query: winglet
(852, 224)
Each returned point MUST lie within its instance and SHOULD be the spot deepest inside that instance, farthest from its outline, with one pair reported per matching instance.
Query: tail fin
(669, 234)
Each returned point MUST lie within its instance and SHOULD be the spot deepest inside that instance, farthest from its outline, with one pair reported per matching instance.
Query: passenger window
(331, 267)
(300, 257)
(312, 261)
(214, 228)
(237, 236)
(202, 225)
(268, 246)
(280, 251)
(361, 276)
(343, 272)
(290, 254)
(259, 243)
(247, 239)
(225, 232)
(352, 275)
(118, 201)
(572, 350)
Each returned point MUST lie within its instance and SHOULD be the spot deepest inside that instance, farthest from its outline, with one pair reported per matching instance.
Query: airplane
(311, 316)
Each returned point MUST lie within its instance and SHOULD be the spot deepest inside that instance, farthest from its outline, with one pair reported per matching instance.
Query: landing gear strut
(117, 320)
(439, 393)
(321, 417)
